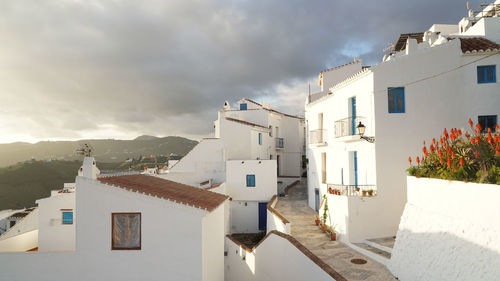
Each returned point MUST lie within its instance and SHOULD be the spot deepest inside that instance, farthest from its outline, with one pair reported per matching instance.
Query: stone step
(376, 254)
(383, 246)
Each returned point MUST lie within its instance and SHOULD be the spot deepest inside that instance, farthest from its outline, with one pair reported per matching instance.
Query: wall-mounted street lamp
(361, 131)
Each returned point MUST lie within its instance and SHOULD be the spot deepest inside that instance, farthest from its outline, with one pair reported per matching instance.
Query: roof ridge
(168, 190)
(245, 122)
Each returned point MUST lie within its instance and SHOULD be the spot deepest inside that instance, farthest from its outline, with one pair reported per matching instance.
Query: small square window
(486, 74)
(251, 180)
(396, 100)
(67, 217)
(487, 121)
(243, 106)
(126, 231)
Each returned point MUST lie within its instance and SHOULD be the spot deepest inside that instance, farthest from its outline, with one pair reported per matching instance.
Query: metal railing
(347, 126)
(318, 136)
(353, 190)
(280, 142)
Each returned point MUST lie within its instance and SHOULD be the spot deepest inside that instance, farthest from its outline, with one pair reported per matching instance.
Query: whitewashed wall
(275, 221)
(265, 179)
(28, 223)
(53, 235)
(448, 231)
(244, 216)
(19, 243)
(205, 161)
(213, 245)
(171, 237)
(274, 259)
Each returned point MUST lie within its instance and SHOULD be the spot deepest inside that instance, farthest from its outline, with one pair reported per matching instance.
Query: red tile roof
(170, 190)
(245, 122)
(477, 44)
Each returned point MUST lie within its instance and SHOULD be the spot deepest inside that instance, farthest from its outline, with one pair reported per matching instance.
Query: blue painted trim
(67, 217)
(353, 115)
(251, 180)
(356, 169)
(260, 138)
(396, 93)
(243, 106)
(484, 69)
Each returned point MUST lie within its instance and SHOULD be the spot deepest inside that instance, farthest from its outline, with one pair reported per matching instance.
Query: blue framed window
(486, 74)
(251, 180)
(487, 121)
(396, 100)
(243, 106)
(67, 217)
(260, 138)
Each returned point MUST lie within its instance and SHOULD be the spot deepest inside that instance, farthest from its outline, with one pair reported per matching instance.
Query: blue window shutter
(250, 180)
(243, 106)
(67, 217)
(396, 100)
(260, 138)
(486, 74)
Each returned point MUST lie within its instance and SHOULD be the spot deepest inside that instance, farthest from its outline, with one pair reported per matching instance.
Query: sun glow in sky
(118, 69)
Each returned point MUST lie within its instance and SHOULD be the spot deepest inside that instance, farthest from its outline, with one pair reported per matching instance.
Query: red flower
(449, 162)
(472, 141)
(471, 123)
(476, 154)
(496, 127)
(490, 138)
(477, 139)
(478, 127)
(452, 155)
(456, 168)
(418, 161)
(440, 152)
(497, 152)
(445, 134)
(440, 160)
(461, 162)
(467, 135)
(409, 160)
(433, 141)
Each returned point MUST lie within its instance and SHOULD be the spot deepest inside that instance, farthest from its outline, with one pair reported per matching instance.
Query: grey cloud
(165, 67)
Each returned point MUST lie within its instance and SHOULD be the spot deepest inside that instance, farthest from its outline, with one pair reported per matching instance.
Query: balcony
(280, 143)
(365, 190)
(347, 126)
(318, 136)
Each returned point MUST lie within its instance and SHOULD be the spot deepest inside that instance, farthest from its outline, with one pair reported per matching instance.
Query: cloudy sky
(119, 69)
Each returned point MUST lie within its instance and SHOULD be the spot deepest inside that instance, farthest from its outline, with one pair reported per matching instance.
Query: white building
(432, 80)
(128, 227)
(255, 154)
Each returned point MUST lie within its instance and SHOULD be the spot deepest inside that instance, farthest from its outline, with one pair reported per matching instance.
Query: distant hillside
(107, 151)
(23, 183)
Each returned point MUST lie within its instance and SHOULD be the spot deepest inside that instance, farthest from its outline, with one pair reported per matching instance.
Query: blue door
(356, 168)
(262, 215)
(353, 116)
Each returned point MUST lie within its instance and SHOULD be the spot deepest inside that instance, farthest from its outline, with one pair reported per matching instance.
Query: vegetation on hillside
(463, 156)
(109, 151)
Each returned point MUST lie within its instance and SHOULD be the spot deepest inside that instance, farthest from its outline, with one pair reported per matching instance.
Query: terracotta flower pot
(333, 236)
(317, 222)
(364, 192)
(323, 228)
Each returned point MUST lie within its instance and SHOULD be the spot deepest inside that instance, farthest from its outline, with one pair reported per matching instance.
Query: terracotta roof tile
(245, 122)
(166, 189)
(477, 44)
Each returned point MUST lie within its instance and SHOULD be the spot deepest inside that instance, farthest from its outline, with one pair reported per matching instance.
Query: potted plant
(364, 192)
(331, 232)
(370, 192)
(316, 220)
(325, 214)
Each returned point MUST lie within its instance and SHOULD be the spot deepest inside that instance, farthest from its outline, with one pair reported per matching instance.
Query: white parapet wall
(449, 231)
(276, 221)
(277, 257)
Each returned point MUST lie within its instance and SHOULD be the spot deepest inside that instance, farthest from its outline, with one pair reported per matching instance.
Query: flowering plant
(459, 155)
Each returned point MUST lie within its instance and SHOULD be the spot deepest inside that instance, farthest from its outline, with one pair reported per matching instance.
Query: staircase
(379, 249)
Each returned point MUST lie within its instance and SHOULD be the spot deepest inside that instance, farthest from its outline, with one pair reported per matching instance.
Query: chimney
(89, 168)
(411, 45)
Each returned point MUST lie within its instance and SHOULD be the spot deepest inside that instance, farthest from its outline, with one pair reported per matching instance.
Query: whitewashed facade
(429, 83)
(254, 151)
(180, 236)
